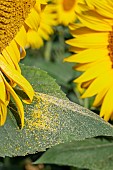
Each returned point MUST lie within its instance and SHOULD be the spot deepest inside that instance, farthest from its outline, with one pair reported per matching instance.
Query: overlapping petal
(10, 72)
(46, 16)
(92, 45)
(65, 10)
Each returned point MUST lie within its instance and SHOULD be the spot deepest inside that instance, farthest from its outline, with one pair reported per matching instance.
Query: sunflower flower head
(92, 44)
(47, 19)
(15, 20)
(65, 10)
(12, 16)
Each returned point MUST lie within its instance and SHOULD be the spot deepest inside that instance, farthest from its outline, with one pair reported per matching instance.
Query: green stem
(7, 161)
(86, 103)
(48, 48)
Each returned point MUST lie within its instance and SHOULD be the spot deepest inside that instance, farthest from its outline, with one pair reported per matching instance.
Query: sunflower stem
(48, 48)
(86, 103)
(78, 97)
(7, 161)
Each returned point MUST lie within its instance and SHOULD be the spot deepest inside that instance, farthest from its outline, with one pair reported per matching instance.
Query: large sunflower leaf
(93, 154)
(50, 119)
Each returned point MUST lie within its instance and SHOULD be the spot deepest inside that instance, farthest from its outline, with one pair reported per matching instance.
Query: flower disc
(68, 4)
(12, 16)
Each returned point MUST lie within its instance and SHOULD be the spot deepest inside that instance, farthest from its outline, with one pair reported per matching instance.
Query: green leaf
(42, 82)
(50, 119)
(93, 154)
(62, 72)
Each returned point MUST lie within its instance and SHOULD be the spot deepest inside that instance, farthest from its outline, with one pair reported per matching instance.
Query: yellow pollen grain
(12, 17)
(40, 115)
(110, 46)
(68, 4)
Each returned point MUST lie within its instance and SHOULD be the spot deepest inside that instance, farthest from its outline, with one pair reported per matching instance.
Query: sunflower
(65, 10)
(47, 19)
(16, 17)
(93, 44)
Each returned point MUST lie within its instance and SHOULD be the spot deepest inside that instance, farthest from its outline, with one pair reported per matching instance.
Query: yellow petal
(17, 101)
(33, 20)
(16, 49)
(2, 90)
(3, 113)
(99, 97)
(7, 58)
(78, 29)
(99, 84)
(21, 39)
(43, 34)
(93, 20)
(76, 49)
(93, 72)
(14, 75)
(35, 42)
(105, 10)
(83, 67)
(107, 105)
(47, 28)
(88, 55)
(89, 40)
(13, 56)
